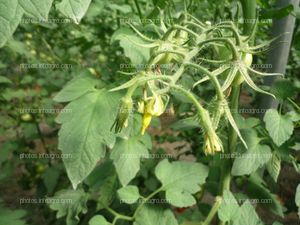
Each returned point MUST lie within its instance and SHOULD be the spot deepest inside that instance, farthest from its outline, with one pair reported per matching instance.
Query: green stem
(231, 45)
(115, 220)
(193, 99)
(51, 50)
(195, 24)
(154, 56)
(118, 215)
(138, 9)
(203, 114)
(160, 78)
(131, 218)
(212, 77)
(198, 21)
(232, 141)
(249, 12)
(235, 95)
(294, 104)
(234, 107)
(145, 200)
(131, 90)
(187, 58)
(249, 8)
(213, 211)
(178, 27)
(234, 31)
(145, 38)
(170, 51)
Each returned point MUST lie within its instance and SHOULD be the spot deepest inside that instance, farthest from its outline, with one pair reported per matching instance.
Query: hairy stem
(212, 77)
(213, 211)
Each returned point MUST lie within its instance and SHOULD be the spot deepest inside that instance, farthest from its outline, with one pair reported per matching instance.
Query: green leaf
(10, 16)
(277, 13)
(228, 208)
(247, 215)
(12, 217)
(74, 9)
(122, 8)
(7, 149)
(98, 220)
(11, 13)
(134, 129)
(126, 156)
(189, 223)
(257, 190)
(185, 124)
(37, 8)
(283, 89)
(50, 177)
(27, 79)
(20, 94)
(86, 128)
(19, 47)
(153, 215)
(108, 192)
(159, 5)
(5, 80)
(69, 203)
(96, 8)
(98, 176)
(103, 182)
(296, 147)
(129, 194)
(294, 116)
(138, 55)
(253, 158)
(274, 166)
(248, 123)
(76, 88)
(181, 180)
(297, 12)
(297, 199)
(279, 127)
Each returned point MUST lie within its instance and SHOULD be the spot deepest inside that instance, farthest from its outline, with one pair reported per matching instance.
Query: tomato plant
(117, 71)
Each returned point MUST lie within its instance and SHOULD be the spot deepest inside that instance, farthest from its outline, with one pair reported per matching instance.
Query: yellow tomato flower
(153, 106)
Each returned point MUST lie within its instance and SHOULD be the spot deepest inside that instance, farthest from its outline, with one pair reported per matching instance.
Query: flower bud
(126, 105)
(247, 59)
(212, 143)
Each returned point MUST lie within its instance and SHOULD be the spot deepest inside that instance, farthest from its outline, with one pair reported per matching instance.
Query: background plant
(104, 121)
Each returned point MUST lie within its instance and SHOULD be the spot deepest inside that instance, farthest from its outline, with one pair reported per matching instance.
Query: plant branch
(118, 215)
(138, 9)
(145, 200)
(213, 211)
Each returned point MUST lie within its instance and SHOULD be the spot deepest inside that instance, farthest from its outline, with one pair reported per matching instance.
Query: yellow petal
(141, 107)
(146, 122)
(158, 107)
